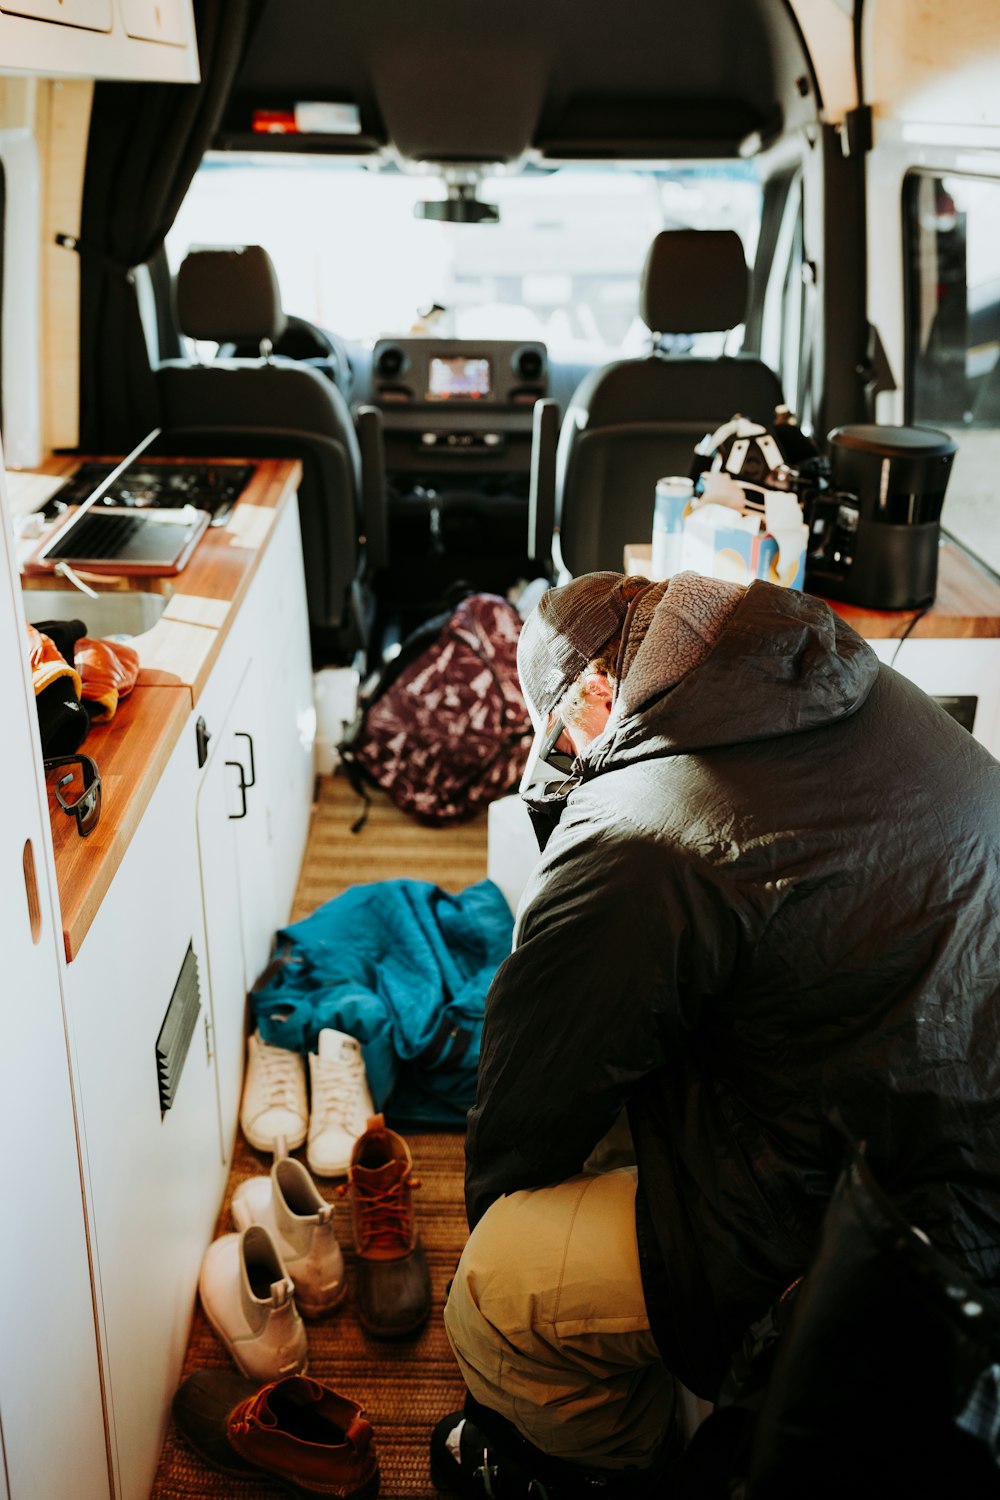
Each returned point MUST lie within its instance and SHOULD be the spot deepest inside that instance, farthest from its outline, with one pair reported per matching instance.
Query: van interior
(409, 303)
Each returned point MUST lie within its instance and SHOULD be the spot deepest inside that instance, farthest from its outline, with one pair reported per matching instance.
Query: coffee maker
(874, 533)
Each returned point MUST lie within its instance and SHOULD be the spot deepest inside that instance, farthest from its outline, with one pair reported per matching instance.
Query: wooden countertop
(131, 753)
(967, 604)
(176, 657)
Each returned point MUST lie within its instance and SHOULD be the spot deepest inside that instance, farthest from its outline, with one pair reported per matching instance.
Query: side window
(952, 231)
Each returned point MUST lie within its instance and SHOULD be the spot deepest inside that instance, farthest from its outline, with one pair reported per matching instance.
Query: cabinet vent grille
(177, 1030)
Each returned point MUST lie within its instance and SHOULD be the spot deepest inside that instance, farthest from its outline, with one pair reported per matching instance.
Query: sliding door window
(952, 234)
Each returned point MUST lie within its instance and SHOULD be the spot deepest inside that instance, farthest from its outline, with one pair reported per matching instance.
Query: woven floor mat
(404, 1386)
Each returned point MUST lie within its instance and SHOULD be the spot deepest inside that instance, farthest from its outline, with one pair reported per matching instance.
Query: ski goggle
(545, 763)
(78, 790)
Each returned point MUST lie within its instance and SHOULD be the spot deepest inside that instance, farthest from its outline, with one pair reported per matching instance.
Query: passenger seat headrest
(694, 281)
(229, 295)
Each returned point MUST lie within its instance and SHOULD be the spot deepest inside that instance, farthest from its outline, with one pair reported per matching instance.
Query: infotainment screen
(458, 377)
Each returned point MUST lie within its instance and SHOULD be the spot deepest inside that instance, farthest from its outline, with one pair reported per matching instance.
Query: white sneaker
(341, 1103)
(274, 1096)
(300, 1221)
(248, 1298)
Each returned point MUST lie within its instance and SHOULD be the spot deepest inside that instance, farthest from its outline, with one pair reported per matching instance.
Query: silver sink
(122, 613)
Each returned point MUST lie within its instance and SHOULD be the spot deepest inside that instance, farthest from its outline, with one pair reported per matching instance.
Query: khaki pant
(548, 1323)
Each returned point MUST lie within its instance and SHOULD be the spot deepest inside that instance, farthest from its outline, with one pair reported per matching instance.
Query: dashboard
(457, 416)
(458, 400)
(429, 370)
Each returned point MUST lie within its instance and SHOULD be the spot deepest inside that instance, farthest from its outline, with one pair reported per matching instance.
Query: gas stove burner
(211, 487)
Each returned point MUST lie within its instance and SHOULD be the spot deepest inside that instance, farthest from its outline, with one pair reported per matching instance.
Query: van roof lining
(445, 81)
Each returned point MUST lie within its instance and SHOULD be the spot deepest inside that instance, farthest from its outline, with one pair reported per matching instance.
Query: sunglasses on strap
(559, 760)
(78, 789)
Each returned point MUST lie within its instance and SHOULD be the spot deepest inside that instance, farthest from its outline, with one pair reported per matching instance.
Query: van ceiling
(452, 81)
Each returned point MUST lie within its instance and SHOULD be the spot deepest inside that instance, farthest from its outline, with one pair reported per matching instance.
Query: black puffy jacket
(770, 898)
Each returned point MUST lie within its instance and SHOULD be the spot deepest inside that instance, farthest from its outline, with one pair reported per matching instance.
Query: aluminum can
(673, 500)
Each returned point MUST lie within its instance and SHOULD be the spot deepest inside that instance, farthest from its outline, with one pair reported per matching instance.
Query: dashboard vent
(177, 1030)
(529, 362)
(390, 363)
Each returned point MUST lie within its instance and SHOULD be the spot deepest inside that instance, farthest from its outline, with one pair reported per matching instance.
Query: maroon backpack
(446, 729)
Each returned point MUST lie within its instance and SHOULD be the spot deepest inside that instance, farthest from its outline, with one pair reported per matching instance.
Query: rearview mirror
(460, 207)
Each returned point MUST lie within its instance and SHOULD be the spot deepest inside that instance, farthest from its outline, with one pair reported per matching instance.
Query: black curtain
(145, 143)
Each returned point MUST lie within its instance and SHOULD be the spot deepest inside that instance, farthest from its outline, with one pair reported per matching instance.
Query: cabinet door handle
(241, 734)
(202, 735)
(243, 791)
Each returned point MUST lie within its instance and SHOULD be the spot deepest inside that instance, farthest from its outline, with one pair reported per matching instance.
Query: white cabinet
(51, 1415)
(219, 871)
(289, 721)
(235, 874)
(154, 1176)
(156, 20)
(963, 673)
(91, 15)
(196, 890)
(254, 794)
(511, 847)
(120, 1073)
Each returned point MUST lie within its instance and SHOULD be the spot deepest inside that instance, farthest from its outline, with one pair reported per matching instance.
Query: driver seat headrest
(694, 281)
(229, 295)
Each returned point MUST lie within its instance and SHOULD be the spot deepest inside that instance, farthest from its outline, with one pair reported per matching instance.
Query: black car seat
(634, 421)
(275, 407)
(307, 343)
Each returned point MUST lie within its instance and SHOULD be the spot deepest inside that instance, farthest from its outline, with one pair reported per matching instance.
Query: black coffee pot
(874, 534)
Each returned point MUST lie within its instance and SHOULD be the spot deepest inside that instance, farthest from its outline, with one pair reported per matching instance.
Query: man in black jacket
(767, 897)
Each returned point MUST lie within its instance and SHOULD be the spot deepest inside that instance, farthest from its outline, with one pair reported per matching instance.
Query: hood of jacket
(784, 663)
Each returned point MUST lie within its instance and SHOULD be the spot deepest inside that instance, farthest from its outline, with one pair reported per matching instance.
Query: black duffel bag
(877, 1376)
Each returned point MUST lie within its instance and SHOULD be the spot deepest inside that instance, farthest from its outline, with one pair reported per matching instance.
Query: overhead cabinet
(140, 40)
(92, 15)
(156, 21)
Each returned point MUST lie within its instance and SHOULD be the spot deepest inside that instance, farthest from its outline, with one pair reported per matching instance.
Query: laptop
(109, 539)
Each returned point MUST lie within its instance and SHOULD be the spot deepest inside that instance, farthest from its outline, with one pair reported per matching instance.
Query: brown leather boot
(297, 1431)
(391, 1282)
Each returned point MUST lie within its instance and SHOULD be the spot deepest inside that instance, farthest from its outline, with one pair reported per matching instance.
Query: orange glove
(47, 664)
(62, 720)
(108, 671)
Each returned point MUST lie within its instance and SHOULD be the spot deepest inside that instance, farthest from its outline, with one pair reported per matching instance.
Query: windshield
(562, 265)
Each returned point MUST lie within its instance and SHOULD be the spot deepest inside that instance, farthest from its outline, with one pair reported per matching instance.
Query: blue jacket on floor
(404, 967)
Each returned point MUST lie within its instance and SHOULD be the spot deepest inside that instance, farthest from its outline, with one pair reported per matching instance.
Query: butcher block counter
(176, 657)
(966, 605)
